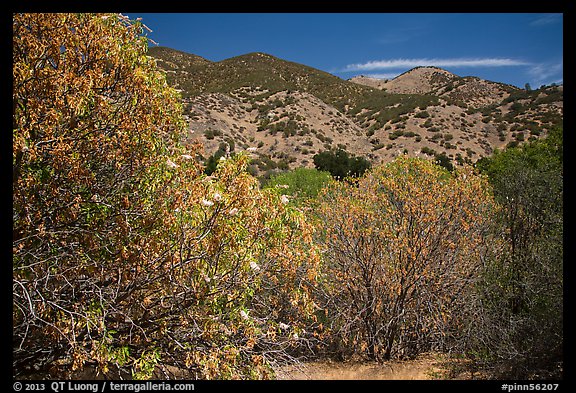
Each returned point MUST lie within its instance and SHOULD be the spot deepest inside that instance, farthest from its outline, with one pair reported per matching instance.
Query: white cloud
(546, 73)
(547, 19)
(455, 62)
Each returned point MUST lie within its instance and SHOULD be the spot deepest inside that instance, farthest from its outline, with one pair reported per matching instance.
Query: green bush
(521, 293)
(211, 133)
(443, 160)
(301, 184)
(395, 134)
(340, 164)
(428, 151)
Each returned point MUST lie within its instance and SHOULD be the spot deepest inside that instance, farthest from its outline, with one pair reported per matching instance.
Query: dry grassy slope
(294, 131)
(472, 91)
(420, 80)
(284, 113)
(172, 59)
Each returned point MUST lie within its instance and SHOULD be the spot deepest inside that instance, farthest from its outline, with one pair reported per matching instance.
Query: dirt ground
(425, 367)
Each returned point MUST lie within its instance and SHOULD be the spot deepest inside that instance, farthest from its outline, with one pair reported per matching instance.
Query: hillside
(419, 80)
(286, 112)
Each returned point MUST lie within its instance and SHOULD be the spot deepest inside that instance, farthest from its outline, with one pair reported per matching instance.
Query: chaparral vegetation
(133, 260)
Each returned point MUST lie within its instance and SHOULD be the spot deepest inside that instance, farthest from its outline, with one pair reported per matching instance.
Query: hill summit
(419, 80)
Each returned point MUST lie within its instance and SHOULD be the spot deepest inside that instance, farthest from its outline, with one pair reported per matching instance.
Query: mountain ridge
(286, 112)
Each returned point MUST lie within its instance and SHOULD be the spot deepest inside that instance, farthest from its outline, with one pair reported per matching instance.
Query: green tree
(523, 286)
(340, 164)
(212, 161)
(443, 160)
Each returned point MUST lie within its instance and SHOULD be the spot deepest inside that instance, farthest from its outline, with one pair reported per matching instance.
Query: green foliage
(212, 161)
(428, 151)
(145, 365)
(395, 134)
(210, 133)
(523, 285)
(443, 160)
(340, 164)
(301, 184)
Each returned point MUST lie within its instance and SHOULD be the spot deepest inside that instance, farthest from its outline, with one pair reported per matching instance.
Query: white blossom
(187, 157)
(217, 197)
(254, 266)
(233, 211)
(251, 149)
(283, 326)
(171, 163)
(244, 315)
(284, 199)
(206, 202)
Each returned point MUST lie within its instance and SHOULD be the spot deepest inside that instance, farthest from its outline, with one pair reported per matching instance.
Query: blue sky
(514, 48)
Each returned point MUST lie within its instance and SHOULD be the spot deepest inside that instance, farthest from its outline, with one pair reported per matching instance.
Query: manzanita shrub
(127, 258)
(240, 275)
(404, 245)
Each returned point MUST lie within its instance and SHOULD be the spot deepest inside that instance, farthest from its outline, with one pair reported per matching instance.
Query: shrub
(516, 107)
(519, 313)
(340, 164)
(443, 160)
(402, 245)
(395, 134)
(211, 133)
(212, 161)
(301, 184)
(428, 151)
(85, 176)
(126, 257)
